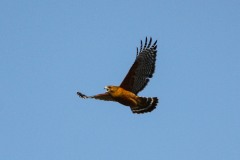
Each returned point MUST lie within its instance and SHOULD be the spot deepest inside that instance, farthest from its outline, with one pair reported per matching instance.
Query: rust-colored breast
(124, 97)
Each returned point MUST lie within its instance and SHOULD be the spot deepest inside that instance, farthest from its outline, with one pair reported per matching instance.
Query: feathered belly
(127, 100)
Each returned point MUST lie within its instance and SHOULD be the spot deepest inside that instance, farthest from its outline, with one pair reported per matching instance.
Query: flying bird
(136, 79)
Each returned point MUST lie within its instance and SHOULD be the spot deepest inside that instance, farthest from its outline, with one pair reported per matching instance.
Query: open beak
(106, 88)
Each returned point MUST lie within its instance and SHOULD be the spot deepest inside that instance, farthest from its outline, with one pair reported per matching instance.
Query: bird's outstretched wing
(103, 96)
(142, 69)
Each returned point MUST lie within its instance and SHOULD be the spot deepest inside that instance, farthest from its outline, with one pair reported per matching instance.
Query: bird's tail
(145, 104)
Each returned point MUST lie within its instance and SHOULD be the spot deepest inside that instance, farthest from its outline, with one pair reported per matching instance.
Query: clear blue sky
(51, 49)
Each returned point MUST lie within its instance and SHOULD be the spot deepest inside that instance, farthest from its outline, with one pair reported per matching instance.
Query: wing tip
(82, 95)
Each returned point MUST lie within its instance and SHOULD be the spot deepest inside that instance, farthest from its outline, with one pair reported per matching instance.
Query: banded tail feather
(146, 104)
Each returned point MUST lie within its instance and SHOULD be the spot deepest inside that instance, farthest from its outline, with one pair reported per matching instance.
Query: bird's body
(127, 98)
(136, 79)
(122, 96)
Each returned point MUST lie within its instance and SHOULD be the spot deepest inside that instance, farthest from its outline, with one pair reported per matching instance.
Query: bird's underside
(135, 81)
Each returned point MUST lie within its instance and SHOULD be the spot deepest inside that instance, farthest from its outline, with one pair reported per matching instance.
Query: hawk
(137, 78)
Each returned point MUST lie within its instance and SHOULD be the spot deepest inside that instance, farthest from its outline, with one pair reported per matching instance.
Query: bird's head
(111, 89)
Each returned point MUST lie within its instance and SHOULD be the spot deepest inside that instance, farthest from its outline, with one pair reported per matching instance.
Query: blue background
(51, 49)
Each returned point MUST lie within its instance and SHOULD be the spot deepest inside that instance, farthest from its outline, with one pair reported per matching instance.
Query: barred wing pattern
(142, 69)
